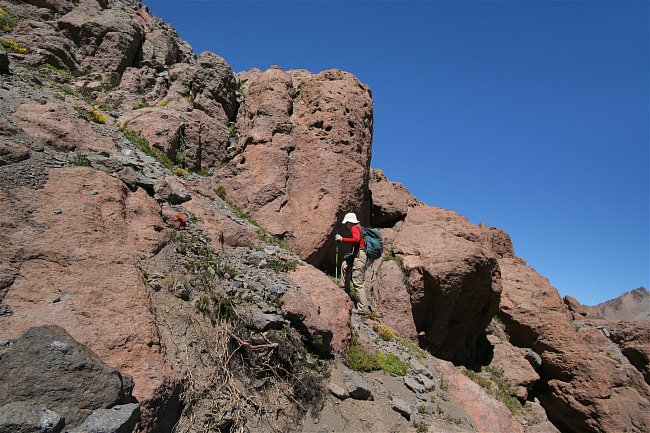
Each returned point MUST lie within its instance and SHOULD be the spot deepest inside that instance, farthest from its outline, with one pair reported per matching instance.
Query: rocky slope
(167, 230)
(632, 305)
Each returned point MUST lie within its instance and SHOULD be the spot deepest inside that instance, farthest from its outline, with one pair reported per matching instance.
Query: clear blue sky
(529, 116)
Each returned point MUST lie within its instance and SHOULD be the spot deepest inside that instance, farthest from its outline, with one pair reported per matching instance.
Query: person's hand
(338, 237)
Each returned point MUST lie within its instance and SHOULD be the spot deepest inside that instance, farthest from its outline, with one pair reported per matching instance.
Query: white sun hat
(350, 218)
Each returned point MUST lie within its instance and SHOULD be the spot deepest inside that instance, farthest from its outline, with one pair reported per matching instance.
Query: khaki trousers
(358, 278)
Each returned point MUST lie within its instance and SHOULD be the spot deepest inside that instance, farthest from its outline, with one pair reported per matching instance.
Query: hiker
(357, 259)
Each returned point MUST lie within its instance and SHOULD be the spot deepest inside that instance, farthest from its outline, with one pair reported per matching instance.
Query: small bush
(203, 172)
(358, 359)
(61, 71)
(390, 255)
(391, 364)
(274, 240)
(13, 46)
(58, 96)
(220, 191)
(93, 115)
(216, 307)
(477, 378)
(232, 129)
(7, 22)
(180, 171)
(420, 427)
(80, 160)
(163, 103)
(142, 144)
(281, 265)
(384, 332)
(68, 90)
(140, 105)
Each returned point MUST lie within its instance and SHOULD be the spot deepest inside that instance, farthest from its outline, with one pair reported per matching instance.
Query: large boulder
(69, 259)
(107, 39)
(392, 299)
(190, 137)
(453, 279)
(304, 157)
(390, 200)
(319, 309)
(633, 338)
(12, 151)
(56, 126)
(47, 367)
(588, 386)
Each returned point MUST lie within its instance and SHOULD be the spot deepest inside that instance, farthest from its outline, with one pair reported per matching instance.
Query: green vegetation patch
(80, 159)
(13, 46)
(140, 105)
(279, 265)
(7, 21)
(358, 359)
(142, 144)
(64, 71)
(217, 308)
(497, 386)
(92, 115)
(390, 256)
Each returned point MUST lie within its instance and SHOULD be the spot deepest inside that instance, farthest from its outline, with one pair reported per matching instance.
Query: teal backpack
(372, 238)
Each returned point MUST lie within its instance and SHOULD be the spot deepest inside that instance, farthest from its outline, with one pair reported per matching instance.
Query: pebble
(57, 211)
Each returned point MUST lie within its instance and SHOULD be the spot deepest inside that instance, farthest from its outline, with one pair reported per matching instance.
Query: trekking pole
(336, 272)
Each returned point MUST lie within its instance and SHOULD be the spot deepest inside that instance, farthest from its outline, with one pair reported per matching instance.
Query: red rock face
(192, 138)
(54, 125)
(319, 309)
(85, 220)
(391, 299)
(588, 387)
(305, 153)
(454, 281)
(390, 200)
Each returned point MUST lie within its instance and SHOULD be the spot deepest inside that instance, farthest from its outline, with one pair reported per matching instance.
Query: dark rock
(118, 419)
(47, 367)
(171, 190)
(414, 385)
(25, 417)
(356, 386)
(12, 152)
(264, 322)
(401, 407)
(338, 391)
(4, 62)
(214, 86)
(6, 310)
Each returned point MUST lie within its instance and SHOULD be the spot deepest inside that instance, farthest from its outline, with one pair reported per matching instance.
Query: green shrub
(7, 22)
(356, 358)
(139, 105)
(390, 255)
(64, 71)
(142, 144)
(384, 332)
(420, 427)
(13, 46)
(281, 265)
(220, 191)
(80, 160)
(390, 363)
(92, 115)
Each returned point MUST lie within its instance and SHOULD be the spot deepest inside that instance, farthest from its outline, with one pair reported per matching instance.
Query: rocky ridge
(171, 220)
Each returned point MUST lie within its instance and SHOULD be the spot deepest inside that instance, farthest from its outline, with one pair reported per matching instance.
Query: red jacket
(356, 238)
